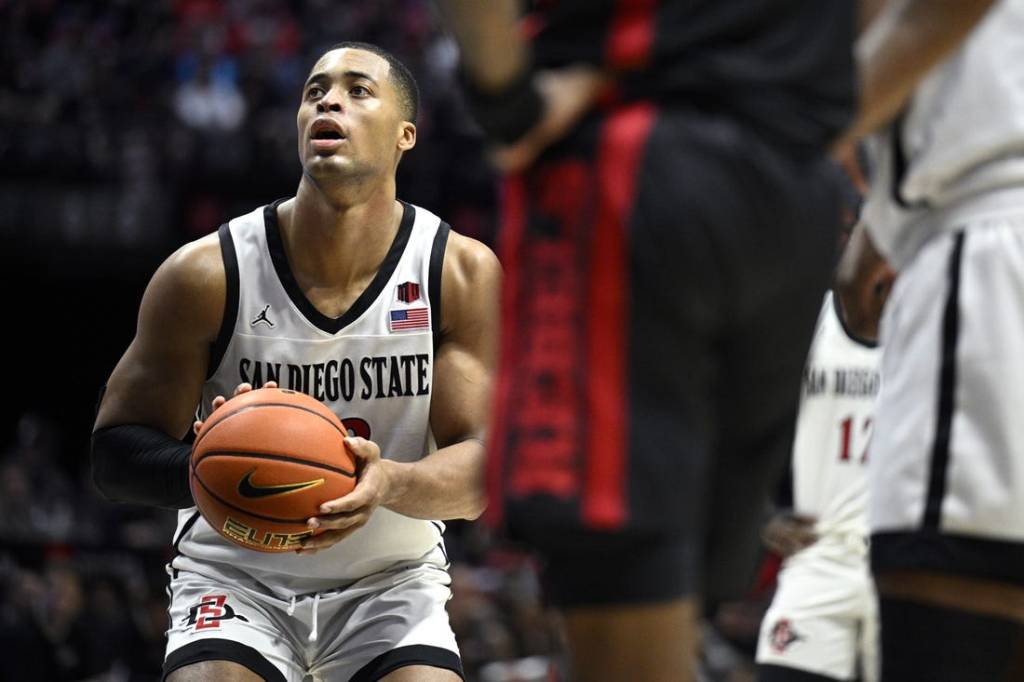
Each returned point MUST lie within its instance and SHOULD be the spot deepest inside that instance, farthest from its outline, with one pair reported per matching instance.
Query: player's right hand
(787, 533)
(244, 387)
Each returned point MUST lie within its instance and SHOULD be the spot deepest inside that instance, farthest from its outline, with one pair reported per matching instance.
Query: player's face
(350, 121)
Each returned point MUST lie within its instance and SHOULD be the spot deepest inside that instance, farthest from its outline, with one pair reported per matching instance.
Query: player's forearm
(902, 49)
(447, 484)
(142, 465)
(492, 51)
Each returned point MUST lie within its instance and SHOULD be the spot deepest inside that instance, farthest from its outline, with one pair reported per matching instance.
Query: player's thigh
(421, 673)
(218, 628)
(391, 622)
(214, 671)
(815, 620)
(732, 244)
(946, 481)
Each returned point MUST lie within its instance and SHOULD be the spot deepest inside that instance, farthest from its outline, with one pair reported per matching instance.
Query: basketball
(264, 462)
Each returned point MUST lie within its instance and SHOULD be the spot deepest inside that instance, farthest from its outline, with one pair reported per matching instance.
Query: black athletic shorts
(663, 273)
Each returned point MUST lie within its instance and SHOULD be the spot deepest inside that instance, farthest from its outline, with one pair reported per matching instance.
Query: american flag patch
(409, 319)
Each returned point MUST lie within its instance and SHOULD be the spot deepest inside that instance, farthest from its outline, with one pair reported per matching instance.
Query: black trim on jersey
(227, 324)
(214, 649)
(403, 656)
(175, 551)
(440, 541)
(899, 160)
(859, 340)
(434, 285)
(939, 466)
(929, 550)
(332, 325)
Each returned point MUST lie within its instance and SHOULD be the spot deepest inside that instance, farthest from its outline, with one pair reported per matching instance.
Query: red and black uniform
(665, 263)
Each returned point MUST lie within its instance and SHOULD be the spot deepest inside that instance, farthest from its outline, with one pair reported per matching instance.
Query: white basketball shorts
(379, 624)
(824, 616)
(946, 464)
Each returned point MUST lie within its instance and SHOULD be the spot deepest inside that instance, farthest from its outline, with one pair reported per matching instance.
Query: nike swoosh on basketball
(246, 488)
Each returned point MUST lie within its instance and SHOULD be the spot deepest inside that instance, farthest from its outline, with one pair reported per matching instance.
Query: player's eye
(315, 92)
(360, 91)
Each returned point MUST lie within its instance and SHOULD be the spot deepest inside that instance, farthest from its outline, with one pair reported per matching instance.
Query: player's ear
(406, 136)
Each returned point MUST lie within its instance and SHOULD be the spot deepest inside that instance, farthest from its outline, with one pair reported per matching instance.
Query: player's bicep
(466, 357)
(159, 379)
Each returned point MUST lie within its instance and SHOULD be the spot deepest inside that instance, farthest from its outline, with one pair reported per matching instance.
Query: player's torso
(960, 138)
(830, 450)
(373, 367)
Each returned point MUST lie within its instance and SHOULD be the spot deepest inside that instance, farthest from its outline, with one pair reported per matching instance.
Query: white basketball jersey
(372, 367)
(830, 450)
(960, 137)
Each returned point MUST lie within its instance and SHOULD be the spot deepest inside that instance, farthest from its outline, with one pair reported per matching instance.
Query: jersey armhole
(227, 324)
(434, 284)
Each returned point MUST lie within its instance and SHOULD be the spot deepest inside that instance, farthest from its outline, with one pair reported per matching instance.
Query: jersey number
(846, 436)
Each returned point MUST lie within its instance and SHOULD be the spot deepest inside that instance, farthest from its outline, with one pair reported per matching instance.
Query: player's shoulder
(469, 259)
(189, 289)
(470, 285)
(196, 267)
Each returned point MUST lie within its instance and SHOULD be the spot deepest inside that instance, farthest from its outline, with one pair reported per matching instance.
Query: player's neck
(333, 240)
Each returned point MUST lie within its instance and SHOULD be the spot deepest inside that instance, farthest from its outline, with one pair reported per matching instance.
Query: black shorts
(664, 270)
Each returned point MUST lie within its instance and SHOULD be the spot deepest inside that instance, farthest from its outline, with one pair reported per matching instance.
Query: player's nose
(329, 102)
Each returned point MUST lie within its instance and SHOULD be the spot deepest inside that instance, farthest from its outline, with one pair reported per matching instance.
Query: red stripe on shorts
(510, 240)
(620, 150)
(631, 34)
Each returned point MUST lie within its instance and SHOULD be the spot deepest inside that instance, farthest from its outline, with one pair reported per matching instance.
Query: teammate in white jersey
(822, 623)
(946, 207)
(370, 305)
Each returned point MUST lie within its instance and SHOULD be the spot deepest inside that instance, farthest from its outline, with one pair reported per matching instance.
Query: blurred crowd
(142, 124)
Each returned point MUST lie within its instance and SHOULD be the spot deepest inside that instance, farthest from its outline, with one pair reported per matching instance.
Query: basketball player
(823, 618)
(667, 244)
(371, 305)
(944, 88)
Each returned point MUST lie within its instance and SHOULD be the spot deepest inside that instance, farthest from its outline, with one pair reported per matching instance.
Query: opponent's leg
(643, 642)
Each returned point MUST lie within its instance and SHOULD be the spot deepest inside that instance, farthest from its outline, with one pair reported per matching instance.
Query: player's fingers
(243, 387)
(328, 538)
(218, 401)
(270, 384)
(362, 448)
(337, 521)
(196, 427)
(360, 497)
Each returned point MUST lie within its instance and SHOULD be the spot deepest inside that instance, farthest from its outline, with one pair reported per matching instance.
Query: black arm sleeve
(507, 115)
(140, 464)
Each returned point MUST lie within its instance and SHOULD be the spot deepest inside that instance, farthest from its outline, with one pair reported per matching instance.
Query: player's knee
(421, 673)
(213, 671)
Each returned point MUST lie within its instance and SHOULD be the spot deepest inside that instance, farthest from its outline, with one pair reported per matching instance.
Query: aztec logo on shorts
(210, 611)
(783, 635)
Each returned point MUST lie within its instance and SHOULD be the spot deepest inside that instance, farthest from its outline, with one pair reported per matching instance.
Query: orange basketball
(264, 462)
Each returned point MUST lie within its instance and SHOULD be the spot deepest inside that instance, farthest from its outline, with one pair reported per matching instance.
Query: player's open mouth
(326, 135)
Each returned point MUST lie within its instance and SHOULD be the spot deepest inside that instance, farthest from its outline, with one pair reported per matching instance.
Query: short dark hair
(405, 83)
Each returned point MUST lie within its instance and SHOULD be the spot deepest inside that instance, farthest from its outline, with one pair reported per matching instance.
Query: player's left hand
(568, 93)
(346, 515)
